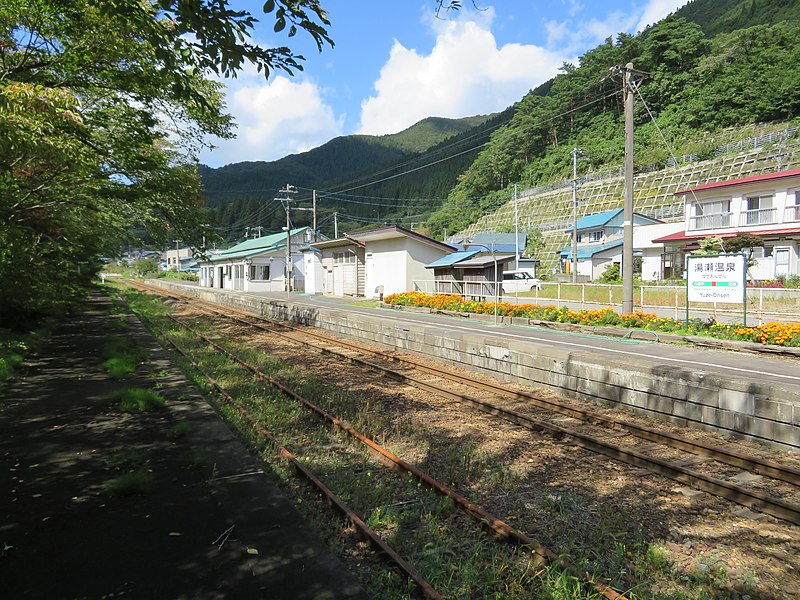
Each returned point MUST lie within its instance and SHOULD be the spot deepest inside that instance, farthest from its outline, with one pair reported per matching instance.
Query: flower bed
(779, 334)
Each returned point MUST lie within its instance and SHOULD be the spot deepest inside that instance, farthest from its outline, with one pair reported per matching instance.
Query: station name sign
(717, 278)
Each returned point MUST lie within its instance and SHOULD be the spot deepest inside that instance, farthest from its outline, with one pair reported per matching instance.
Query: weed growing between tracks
(442, 543)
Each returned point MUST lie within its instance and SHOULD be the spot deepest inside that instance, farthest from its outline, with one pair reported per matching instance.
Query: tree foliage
(102, 105)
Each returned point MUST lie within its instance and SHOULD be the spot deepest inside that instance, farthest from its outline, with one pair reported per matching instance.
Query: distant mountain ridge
(344, 155)
(368, 164)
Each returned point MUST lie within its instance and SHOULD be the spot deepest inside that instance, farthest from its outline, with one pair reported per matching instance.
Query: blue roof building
(599, 242)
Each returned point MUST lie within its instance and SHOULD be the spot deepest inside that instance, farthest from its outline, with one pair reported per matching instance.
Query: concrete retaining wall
(746, 409)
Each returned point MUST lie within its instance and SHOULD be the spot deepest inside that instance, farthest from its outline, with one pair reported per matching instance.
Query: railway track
(500, 529)
(768, 487)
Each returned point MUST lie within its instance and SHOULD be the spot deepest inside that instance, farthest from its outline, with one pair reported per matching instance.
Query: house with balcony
(764, 205)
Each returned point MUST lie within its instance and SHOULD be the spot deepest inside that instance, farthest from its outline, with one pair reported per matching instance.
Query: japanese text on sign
(716, 278)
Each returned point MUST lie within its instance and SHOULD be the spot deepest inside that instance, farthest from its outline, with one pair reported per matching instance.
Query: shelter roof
(255, 246)
(589, 251)
(395, 231)
(683, 236)
(484, 260)
(450, 259)
(604, 218)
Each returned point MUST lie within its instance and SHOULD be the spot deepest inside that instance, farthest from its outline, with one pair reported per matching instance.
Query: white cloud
(464, 74)
(574, 7)
(573, 36)
(274, 119)
(657, 10)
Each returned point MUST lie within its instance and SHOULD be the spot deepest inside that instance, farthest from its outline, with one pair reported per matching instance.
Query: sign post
(716, 278)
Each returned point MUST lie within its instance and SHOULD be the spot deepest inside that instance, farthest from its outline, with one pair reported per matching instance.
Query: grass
(180, 429)
(14, 346)
(136, 482)
(136, 400)
(127, 459)
(122, 357)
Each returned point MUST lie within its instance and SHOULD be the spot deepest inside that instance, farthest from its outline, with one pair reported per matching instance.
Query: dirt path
(208, 523)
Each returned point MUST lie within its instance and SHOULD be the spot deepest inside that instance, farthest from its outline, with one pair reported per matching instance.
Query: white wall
(313, 272)
(396, 263)
(651, 264)
(275, 283)
(643, 236)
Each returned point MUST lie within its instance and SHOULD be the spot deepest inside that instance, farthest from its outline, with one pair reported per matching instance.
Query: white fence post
(676, 302)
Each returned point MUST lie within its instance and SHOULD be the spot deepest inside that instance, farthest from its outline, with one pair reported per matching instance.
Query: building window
(759, 210)
(792, 214)
(710, 215)
(341, 258)
(259, 272)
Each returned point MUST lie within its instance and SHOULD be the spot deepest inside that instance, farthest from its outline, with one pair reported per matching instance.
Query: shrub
(611, 274)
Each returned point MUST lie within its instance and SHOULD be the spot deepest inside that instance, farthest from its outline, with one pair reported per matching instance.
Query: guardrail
(763, 304)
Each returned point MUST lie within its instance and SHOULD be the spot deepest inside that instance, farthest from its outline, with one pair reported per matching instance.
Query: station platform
(209, 522)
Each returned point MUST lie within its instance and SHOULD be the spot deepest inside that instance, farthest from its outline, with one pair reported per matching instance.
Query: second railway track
(729, 470)
(699, 464)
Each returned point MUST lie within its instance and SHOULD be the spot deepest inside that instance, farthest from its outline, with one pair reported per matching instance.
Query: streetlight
(496, 286)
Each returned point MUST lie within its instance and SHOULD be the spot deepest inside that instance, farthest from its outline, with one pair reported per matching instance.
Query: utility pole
(516, 226)
(177, 256)
(286, 201)
(575, 153)
(314, 206)
(336, 225)
(627, 218)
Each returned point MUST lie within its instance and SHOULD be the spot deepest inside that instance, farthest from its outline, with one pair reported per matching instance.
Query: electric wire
(336, 194)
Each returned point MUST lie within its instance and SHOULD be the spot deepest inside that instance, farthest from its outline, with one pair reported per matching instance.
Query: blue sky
(394, 63)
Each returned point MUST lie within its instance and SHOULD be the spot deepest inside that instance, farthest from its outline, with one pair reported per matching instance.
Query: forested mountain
(714, 64)
(720, 16)
(242, 194)
(692, 85)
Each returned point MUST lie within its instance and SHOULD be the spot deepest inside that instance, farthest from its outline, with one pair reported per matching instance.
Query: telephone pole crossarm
(286, 201)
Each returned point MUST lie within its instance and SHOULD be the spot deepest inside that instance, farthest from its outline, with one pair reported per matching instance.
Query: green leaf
(269, 6)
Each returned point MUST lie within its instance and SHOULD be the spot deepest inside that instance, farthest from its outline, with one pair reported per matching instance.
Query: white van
(520, 281)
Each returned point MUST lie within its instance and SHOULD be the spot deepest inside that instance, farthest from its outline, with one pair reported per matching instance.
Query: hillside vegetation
(695, 86)
(545, 212)
(351, 164)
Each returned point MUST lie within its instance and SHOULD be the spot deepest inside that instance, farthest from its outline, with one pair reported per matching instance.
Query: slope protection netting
(654, 195)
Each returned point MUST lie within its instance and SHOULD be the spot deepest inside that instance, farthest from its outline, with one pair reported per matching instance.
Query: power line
(340, 195)
(548, 120)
